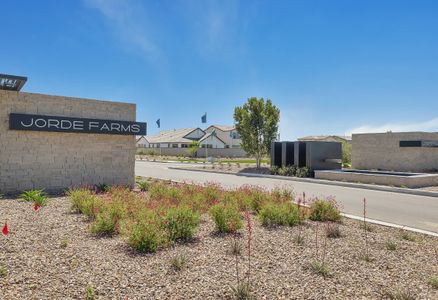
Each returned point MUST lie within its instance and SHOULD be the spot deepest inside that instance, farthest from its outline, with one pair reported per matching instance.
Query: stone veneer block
(54, 160)
(382, 151)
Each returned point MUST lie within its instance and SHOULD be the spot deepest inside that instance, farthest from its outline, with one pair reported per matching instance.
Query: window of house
(184, 146)
(174, 145)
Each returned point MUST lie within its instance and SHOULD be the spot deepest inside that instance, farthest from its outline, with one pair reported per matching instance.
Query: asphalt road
(419, 212)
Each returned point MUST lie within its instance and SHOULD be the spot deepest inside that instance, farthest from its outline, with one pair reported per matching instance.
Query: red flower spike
(36, 207)
(5, 230)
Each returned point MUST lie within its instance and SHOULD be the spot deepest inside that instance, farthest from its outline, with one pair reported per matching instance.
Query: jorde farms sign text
(80, 125)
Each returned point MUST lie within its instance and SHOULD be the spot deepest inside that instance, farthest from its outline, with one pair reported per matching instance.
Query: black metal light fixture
(12, 82)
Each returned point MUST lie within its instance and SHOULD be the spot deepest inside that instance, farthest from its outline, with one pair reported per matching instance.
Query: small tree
(257, 124)
(193, 148)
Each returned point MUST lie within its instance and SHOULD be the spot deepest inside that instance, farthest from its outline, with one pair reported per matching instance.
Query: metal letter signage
(79, 125)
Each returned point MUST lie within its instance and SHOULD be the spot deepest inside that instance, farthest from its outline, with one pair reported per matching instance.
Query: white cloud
(214, 24)
(127, 20)
(430, 125)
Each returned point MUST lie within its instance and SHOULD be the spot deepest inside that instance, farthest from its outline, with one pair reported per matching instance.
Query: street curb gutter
(382, 223)
(327, 182)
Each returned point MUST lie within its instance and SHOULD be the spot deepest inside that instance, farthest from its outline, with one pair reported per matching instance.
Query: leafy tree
(193, 148)
(346, 154)
(257, 123)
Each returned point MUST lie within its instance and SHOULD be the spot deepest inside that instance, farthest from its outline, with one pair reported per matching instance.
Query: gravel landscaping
(51, 254)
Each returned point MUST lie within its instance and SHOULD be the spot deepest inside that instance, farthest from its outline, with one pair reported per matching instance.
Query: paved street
(409, 210)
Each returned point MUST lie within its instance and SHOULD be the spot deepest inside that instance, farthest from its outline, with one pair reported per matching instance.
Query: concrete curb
(327, 182)
(392, 225)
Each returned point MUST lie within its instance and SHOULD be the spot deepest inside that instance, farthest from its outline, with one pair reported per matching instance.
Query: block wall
(54, 160)
(382, 151)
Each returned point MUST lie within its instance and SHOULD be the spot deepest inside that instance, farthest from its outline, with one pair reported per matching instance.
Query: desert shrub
(273, 214)
(324, 210)
(333, 231)
(152, 153)
(319, 268)
(38, 196)
(145, 234)
(178, 262)
(282, 171)
(85, 202)
(433, 282)
(399, 294)
(391, 245)
(226, 217)
(235, 247)
(257, 199)
(3, 271)
(64, 243)
(102, 187)
(143, 185)
(181, 222)
(405, 235)
(141, 152)
(242, 291)
(90, 293)
(211, 193)
(273, 170)
(303, 172)
(287, 170)
(107, 220)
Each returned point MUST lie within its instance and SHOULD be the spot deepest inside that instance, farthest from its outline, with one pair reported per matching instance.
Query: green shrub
(38, 196)
(143, 185)
(178, 262)
(258, 199)
(242, 291)
(90, 293)
(279, 214)
(391, 245)
(102, 187)
(85, 202)
(303, 172)
(226, 217)
(433, 281)
(107, 220)
(324, 210)
(3, 271)
(273, 170)
(287, 170)
(145, 235)
(181, 222)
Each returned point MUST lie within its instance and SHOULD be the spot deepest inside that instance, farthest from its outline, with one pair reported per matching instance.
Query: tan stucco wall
(382, 151)
(53, 160)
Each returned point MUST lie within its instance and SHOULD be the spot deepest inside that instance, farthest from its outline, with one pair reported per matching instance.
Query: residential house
(224, 140)
(228, 134)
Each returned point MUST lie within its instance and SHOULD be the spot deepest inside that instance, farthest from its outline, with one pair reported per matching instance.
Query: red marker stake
(5, 230)
(36, 207)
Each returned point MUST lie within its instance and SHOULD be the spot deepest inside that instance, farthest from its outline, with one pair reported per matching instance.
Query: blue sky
(332, 67)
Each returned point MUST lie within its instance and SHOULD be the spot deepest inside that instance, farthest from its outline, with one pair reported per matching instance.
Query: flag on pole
(204, 118)
(158, 123)
(5, 230)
